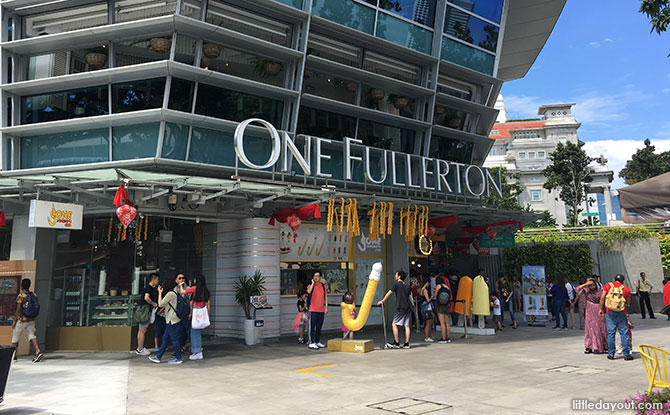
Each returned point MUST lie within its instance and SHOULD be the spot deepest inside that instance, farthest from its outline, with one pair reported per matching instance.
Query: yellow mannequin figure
(364, 311)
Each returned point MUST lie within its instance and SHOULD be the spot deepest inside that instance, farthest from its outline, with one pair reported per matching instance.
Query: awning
(646, 201)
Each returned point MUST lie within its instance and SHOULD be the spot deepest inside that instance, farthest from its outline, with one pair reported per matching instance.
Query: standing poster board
(534, 289)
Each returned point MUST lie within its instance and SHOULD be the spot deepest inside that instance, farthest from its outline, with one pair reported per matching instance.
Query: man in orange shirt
(614, 301)
(318, 308)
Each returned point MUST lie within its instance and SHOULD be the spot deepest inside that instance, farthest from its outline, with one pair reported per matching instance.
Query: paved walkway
(532, 370)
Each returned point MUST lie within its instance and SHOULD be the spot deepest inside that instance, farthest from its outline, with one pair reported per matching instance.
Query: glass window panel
(77, 147)
(59, 63)
(185, 50)
(237, 106)
(66, 20)
(449, 149)
(238, 63)
(449, 117)
(175, 141)
(392, 67)
(295, 3)
(421, 11)
(455, 88)
(212, 147)
(403, 33)
(470, 29)
(134, 141)
(464, 55)
(191, 8)
(380, 100)
(138, 95)
(328, 48)
(386, 137)
(347, 13)
(131, 10)
(327, 86)
(325, 124)
(181, 95)
(252, 24)
(142, 51)
(64, 105)
(489, 9)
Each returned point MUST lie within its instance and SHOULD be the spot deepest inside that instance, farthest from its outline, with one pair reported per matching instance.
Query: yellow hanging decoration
(373, 235)
(402, 220)
(118, 234)
(138, 228)
(340, 226)
(382, 219)
(357, 227)
(146, 227)
(390, 219)
(109, 230)
(331, 212)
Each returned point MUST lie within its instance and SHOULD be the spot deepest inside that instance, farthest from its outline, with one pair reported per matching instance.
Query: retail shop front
(215, 220)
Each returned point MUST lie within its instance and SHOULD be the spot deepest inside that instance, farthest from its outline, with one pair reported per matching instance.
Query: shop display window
(296, 276)
(9, 290)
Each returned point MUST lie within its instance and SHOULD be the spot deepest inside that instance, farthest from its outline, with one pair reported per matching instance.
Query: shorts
(28, 326)
(497, 318)
(401, 317)
(443, 309)
(151, 319)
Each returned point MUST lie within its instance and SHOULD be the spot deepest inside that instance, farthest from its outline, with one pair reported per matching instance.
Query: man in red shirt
(614, 301)
(318, 308)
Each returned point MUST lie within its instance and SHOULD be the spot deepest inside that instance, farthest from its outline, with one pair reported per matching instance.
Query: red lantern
(430, 231)
(126, 215)
(294, 223)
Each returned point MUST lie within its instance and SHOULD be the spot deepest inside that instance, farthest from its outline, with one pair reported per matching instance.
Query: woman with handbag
(199, 315)
(427, 308)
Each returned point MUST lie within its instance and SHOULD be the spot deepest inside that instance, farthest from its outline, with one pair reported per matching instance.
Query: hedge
(572, 261)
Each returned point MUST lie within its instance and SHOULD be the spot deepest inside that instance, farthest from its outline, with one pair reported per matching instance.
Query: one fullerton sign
(424, 173)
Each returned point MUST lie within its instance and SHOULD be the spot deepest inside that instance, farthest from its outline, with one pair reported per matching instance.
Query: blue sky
(602, 56)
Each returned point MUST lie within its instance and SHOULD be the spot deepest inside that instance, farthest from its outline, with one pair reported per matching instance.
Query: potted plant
(266, 67)
(161, 44)
(210, 50)
(398, 101)
(96, 57)
(245, 288)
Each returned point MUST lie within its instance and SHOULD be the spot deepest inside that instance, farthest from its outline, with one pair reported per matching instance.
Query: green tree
(546, 221)
(645, 164)
(509, 184)
(569, 173)
(658, 12)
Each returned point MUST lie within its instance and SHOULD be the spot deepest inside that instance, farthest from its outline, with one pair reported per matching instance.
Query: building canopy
(646, 201)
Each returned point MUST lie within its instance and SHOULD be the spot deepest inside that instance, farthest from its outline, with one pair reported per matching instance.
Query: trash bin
(258, 328)
(6, 355)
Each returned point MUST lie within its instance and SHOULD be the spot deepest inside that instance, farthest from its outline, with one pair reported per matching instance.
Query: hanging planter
(96, 58)
(211, 51)
(161, 44)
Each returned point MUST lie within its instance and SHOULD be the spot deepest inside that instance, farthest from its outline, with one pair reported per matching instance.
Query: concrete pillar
(607, 195)
(244, 246)
(36, 244)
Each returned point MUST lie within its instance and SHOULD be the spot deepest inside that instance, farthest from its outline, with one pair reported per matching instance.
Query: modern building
(362, 100)
(523, 148)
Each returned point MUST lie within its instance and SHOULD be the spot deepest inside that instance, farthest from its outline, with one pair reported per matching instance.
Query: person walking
(517, 296)
(199, 299)
(570, 304)
(595, 330)
(25, 317)
(427, 308)
(614, 300)
(185, 324)
(644, 288)
(443, 307)
(150, 298)
(173, 326)
(402, 314)
(507, 300)
(559, 296)
(318, 309)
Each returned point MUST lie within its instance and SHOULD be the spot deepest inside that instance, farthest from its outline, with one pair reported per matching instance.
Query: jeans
(617, 321)
(559, 310)
(196, 340)
(315, 323)
(509, 306)
(171, 333)
(159, 327)
(184, 330)
(644, 299)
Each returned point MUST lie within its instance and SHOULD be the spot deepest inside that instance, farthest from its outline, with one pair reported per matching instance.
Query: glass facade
(237, 106)
(134, 141)
(64, 105)
(77, 147)
(464, 55)
(138, 95)
(471, 29)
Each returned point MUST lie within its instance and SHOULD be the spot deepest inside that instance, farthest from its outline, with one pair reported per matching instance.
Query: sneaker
(610, 356)
(405, 346)
(38, 357)
(154, 359)
(175, 362)
(619, 352)
(430, 339)
(301, 340)
(395, 345)
(443, 341)
(156, 349)
(565, 328)
(320, 345)
(196, 356)
(142, 352)
(557, 328)
(313, 346)
(629, 356)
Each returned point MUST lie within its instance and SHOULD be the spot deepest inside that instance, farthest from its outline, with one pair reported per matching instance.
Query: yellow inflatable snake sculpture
(364, 311)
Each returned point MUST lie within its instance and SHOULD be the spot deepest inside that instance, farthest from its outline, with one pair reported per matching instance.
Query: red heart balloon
(294, 222)
(430, 231)
(126, 214)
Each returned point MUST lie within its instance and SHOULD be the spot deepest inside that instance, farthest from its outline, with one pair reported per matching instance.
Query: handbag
(142, 314)
(410, 299)
(200, 319)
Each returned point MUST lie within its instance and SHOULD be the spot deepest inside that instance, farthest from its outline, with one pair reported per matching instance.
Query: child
(497, 311)
(516, 289)
(348, 298)
(300, 322)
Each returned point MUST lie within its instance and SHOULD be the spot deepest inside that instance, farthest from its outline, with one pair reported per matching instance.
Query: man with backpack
(613, 302)
(25, 316)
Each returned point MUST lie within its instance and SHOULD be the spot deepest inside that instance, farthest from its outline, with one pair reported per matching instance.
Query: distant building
(523, 147)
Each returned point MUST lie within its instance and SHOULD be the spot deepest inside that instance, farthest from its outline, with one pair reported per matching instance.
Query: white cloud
(598, 43)
(618, 152)
(522, 106)
(666, 90)
(594, 108)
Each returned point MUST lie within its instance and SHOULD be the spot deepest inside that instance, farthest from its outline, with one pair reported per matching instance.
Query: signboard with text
(53, 215)
(534, 291)
(503, 240)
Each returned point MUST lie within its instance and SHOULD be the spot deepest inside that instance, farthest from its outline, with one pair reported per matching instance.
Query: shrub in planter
(654, 403)
(96, 57)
